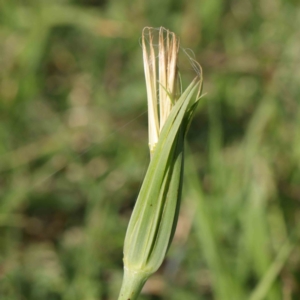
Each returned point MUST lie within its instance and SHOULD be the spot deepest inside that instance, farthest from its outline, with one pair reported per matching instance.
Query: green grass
(73, 149)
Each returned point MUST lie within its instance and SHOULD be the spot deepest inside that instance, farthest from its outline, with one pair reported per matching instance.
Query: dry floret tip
(160, 60)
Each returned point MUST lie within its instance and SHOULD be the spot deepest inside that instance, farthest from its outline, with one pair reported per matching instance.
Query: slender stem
(132, 284)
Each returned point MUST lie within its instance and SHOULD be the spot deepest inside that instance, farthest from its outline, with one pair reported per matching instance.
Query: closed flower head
(154, 218)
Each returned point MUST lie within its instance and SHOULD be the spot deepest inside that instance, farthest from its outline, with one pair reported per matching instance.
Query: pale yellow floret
(161, 63)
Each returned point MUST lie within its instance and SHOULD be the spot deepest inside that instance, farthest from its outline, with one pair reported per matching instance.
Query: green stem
(132, 284)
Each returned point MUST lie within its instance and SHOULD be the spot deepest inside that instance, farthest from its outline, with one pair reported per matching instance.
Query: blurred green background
(74, 148)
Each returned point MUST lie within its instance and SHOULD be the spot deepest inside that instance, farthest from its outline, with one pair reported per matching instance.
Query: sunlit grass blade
(265, 284)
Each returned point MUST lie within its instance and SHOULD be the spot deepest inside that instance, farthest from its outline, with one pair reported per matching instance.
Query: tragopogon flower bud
(154, 218)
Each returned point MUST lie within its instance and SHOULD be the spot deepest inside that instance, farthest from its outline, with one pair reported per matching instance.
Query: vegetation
(73, 151)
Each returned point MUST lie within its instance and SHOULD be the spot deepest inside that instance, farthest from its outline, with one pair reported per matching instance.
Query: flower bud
(154, 218)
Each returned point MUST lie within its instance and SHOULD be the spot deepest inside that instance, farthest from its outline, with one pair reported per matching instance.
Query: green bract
(154, 218)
